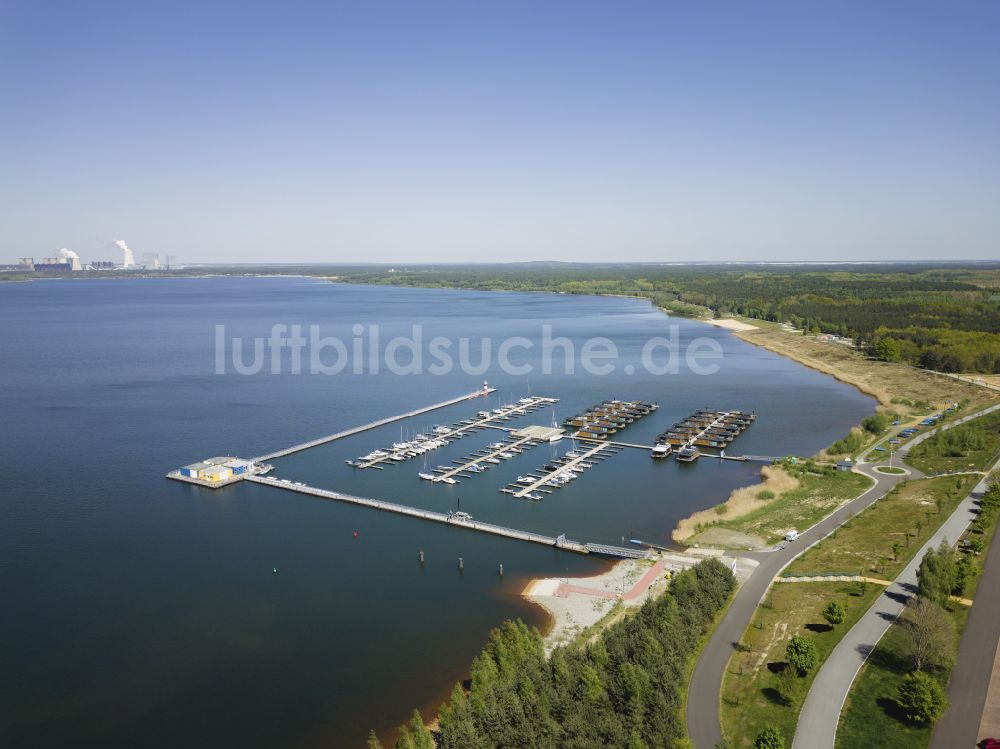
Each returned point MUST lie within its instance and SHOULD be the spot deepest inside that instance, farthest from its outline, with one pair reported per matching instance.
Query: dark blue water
(143, 612)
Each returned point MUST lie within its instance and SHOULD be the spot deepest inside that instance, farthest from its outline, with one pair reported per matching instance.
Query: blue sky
(435, 131)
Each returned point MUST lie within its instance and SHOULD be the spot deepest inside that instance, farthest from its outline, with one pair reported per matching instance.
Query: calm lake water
(144, 612)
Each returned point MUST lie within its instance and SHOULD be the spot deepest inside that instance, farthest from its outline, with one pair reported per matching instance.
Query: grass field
(816, 496)
(932, 457)
(864, 545)
(750, 698)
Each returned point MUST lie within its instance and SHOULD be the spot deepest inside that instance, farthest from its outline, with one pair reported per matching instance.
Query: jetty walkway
(372, 425)
(560, 542)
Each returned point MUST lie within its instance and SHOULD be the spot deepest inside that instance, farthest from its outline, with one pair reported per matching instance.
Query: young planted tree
(922, 698)
(966, 572)
(373, 742)
(801, 654)
(937, 574)
(896, 548)
(834, 612)
(928, 635)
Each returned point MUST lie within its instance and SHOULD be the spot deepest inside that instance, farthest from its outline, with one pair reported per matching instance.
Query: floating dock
(548, 476)
(493, 453)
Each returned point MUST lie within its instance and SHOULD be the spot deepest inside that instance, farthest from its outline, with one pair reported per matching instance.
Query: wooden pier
(560, 542)
(372, 425)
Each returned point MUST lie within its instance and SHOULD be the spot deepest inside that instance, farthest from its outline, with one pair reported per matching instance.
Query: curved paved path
(820, 714)
(702, 712)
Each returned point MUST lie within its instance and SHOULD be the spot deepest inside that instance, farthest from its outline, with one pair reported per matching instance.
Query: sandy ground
(730, 324)
(613, 592)
(716, 536)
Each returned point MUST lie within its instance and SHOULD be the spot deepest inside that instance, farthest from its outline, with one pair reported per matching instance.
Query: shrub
(922, 698)
(765, 494)
(769, 738)
(976, 545)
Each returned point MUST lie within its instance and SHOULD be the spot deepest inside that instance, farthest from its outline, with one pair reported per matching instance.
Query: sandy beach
(578, 603)
(731, 324)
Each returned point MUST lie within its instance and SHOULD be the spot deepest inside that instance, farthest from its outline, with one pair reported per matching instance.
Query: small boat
(446, 480)
(475, 468)
(662, 450)
(462, 516)
(526, 480)
(494, 461)
(533, 496)
(427, 476)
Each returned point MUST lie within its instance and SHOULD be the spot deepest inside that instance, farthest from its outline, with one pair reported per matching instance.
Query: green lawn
(863, 545)
(750, 700)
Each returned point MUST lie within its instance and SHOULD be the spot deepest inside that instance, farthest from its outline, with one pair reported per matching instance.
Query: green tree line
(624, 689)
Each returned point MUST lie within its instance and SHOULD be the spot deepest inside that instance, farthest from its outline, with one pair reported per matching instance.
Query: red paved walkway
(637, 590)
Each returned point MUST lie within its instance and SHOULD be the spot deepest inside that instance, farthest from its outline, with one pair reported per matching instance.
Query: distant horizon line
(451, 263)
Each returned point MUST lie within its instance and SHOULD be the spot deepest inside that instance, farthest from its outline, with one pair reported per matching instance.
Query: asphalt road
(705, 688)
(970, 679)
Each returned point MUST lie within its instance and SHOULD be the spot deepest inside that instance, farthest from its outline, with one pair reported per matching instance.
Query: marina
(594, 426)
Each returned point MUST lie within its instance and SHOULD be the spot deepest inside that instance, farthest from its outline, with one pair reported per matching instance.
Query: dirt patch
(727, 539)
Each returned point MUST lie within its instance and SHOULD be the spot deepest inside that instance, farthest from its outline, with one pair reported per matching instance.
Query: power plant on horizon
(68, 261)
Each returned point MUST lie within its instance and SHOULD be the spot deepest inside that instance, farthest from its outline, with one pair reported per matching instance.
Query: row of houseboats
(703, 428)
(607, 418)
